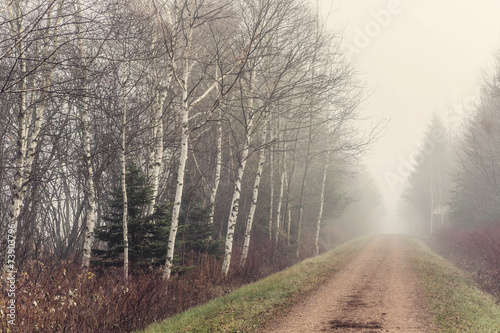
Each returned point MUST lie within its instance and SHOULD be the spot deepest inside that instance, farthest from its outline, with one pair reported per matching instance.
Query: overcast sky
(417, 57)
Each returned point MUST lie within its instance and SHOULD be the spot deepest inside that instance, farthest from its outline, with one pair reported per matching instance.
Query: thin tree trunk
(235, 202)
(255, 196)
(235, 205)
(156, 158)
(303, 187)
(124, 187)
(278, 208)
(179, 189)
(432, 200)
(90, 195)
(186, 107)
(288, 225)
(288, 210)
(125, 214)
(20, 177)
(218, 167)
(182, 159)
(184, 85)
(89, 191)
(281, 194)
(271, 196)
(321, 204)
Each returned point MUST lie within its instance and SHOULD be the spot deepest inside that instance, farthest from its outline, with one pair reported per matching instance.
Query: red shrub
(58, 297)
(476, 250)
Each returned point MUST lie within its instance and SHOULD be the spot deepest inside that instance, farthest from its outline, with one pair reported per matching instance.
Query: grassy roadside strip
(251, 306)
(455, 299)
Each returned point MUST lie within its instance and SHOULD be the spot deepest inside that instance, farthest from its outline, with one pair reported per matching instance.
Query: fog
(416, 58)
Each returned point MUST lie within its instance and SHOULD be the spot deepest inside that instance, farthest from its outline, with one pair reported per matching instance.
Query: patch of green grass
(251, 306)
(455, 299)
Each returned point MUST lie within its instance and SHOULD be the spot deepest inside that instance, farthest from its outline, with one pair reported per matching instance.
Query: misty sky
(426, 56)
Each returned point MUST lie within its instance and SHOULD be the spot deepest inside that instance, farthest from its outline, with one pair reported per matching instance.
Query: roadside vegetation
(475, 250)
(451, 196)
(255, 304)
(57, 297)
(458, 303)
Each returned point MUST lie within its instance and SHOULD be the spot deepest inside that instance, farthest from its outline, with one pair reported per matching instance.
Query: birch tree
(218, 167)
(271, 196)
(249, 119)
(321, 203)
(187, 21)
(282, 185)
(123, 163)
(274, 71)
(30, 78)
(90, 196)
(255, 196)
(161, 82)
(156, 155)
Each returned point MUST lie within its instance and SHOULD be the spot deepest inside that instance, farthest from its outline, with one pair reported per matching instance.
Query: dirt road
(376, 292)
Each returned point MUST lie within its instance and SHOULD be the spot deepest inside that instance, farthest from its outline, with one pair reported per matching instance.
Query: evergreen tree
(147, 234)
(476, 196)
(429, 184)
(194, 224)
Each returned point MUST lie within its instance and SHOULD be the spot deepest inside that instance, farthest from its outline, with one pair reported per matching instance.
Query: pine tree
(428, 184)
(147, 233)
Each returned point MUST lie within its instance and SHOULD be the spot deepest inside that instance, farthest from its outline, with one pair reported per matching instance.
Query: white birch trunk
(90, 192)
(28, 142)
(218, 167)
(280, 196)
(90, 195)
(39, 112)
(233, 212)
(271, 198)
(178, 194)
(124, 185)
(182, 158)
(20, 176)
(321, 204)
(156, 157)
(288, 182)
(255, 196)
(288, 225)
(278, 208)
(125, 212)
(186, 107)
(303, 187)
(235, 202)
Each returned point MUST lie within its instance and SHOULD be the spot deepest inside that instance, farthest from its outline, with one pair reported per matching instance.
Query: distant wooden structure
(440, 217)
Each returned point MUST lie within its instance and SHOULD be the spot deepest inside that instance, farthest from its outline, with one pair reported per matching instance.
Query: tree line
(126, 124)
(455, 180)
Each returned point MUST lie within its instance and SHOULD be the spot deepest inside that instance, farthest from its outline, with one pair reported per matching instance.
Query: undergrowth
(476, 250)
(55, 296)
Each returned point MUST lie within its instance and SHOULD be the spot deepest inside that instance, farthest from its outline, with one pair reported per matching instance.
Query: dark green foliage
(147, 235)
(197, 232)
